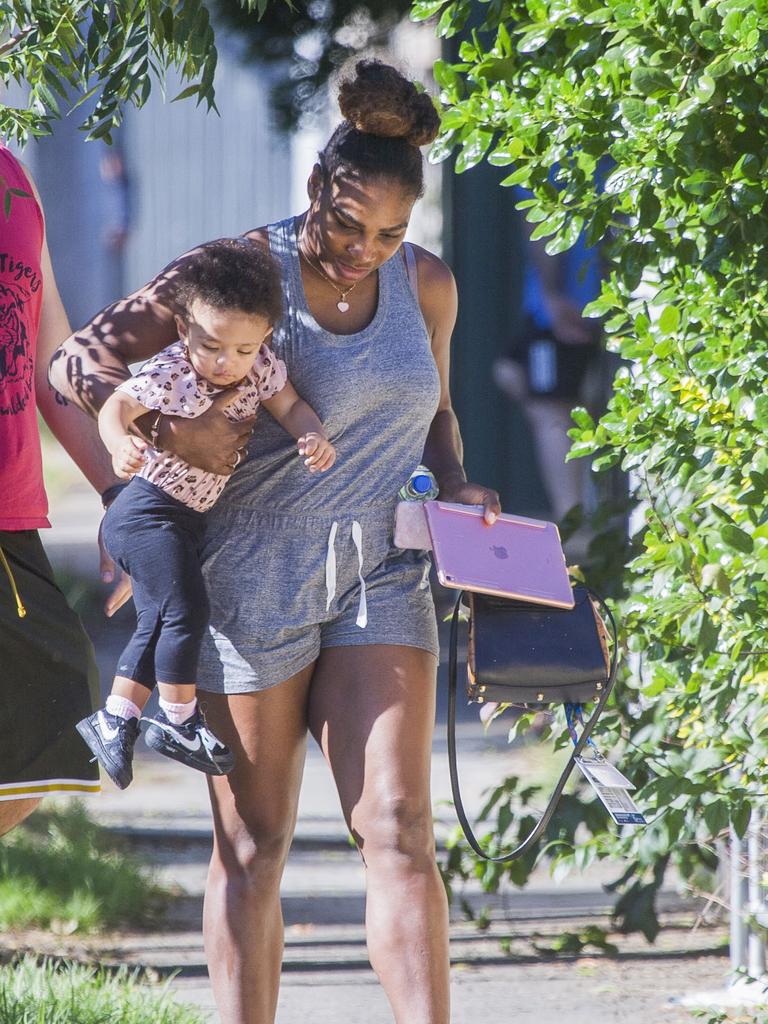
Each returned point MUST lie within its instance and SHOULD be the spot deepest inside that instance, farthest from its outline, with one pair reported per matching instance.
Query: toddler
(230, 293)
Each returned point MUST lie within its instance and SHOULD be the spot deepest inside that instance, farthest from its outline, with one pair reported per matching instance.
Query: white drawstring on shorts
(362, 608)
(330, 566)
(330, 570)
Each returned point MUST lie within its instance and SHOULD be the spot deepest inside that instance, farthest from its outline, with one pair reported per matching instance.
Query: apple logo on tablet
(499, 551)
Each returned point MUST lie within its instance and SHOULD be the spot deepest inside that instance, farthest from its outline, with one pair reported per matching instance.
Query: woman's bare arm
(443, 451)
(93, 361)
(90, 364)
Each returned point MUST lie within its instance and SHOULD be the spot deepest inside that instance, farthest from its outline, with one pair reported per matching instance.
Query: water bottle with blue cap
(420, 486)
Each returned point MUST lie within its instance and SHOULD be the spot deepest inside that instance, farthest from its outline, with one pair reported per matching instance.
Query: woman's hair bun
(378, 100)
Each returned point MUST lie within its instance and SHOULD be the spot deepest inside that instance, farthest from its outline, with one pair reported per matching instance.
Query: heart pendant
(342, 306)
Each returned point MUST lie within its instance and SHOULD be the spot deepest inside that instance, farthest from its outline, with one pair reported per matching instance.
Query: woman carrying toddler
(230, 292)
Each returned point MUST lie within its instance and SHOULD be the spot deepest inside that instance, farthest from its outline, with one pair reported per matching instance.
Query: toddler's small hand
(320, 453)
(128, 457)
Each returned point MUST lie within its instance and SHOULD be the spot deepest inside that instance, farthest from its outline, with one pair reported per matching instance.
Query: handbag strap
(549, 810)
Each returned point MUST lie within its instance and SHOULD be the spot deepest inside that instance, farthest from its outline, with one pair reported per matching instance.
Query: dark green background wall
(484, 247)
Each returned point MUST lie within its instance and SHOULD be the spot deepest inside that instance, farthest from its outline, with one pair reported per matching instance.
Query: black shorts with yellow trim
(48, 678)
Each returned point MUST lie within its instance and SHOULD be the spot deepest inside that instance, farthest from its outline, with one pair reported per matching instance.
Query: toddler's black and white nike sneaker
(191, 743)
(112, 739)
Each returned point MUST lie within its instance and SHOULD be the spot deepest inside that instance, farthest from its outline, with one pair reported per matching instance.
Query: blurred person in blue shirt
(555, 351)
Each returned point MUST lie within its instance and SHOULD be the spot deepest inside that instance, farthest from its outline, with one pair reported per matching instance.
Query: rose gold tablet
(516, 557)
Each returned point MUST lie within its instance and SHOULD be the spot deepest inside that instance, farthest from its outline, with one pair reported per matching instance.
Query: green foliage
(590, 937)
(61, 871)
(736, 1016)
(49, 993)
(67, 51)
(672, 96)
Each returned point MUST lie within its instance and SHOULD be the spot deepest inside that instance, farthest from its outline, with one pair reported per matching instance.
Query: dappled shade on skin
(89, 365)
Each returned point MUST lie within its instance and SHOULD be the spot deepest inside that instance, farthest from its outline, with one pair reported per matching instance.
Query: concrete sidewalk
(326, 975)
(498, 972)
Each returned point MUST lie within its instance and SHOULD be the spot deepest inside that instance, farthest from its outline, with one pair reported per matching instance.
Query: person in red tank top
(23, 504)
(48, 677)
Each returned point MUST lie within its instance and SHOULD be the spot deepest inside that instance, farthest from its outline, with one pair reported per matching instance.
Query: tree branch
(15, 40)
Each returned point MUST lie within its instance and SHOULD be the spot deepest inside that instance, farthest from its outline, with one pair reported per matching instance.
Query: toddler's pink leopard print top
(168, 382)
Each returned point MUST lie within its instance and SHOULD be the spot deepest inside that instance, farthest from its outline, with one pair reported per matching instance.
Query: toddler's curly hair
(232, 274)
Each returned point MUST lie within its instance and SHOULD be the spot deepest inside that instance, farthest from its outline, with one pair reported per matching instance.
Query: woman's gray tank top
(375, 391)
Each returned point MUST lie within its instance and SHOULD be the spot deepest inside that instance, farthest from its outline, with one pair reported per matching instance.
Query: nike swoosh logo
(210, 742)
(191, 745)
(105, 730)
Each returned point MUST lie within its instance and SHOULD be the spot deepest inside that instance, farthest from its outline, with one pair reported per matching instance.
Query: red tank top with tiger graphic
(23, 503)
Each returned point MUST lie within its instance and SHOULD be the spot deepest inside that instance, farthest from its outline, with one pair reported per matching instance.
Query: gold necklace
(342, 305)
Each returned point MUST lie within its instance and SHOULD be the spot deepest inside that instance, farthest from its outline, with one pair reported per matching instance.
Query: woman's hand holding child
(210, 441)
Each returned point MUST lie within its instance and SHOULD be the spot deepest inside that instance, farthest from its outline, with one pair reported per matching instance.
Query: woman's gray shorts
(282, 587)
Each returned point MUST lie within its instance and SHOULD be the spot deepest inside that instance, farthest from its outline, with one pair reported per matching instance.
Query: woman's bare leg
(372, 709)
(254, 814)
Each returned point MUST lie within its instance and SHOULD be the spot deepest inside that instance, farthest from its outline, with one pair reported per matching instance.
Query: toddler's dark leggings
(156, 540)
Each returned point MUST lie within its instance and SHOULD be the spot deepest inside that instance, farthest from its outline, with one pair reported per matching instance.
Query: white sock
(177, 714)
(122, 707)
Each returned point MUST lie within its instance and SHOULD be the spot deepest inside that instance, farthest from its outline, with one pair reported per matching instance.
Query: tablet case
(515, 557)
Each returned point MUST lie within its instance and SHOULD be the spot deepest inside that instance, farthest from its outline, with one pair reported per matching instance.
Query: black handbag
(531, 655)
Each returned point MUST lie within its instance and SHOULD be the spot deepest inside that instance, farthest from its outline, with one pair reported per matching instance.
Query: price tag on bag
(595, 766)
(611, 787)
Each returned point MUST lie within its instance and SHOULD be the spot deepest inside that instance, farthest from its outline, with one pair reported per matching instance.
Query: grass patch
(46, 993)
(63, 872)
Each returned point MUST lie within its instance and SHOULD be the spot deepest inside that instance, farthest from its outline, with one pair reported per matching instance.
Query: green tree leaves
(67, 51)
(673, 95)
(669, 320)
